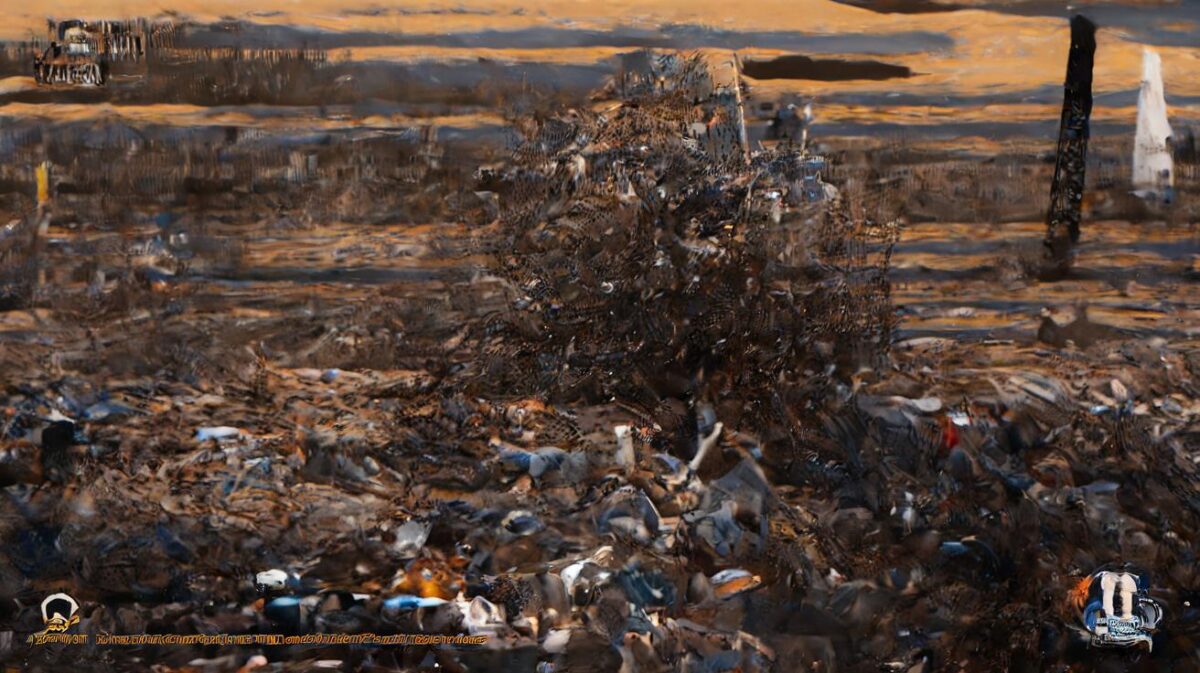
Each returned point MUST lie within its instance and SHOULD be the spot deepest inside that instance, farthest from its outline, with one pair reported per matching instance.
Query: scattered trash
(646, 589)
(396, 605)
(481, 616)
(275, 581)
(677, 436)
(522, 523)
(410, 538)
(217, 433)
(734, 581)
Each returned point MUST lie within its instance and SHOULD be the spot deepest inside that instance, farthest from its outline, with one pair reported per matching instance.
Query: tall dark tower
(1066, 192)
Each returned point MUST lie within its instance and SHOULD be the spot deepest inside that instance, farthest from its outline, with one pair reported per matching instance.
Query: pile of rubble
(653, 258)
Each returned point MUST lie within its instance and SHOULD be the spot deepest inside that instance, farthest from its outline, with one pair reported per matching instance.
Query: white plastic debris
(906, 512)
(625, 456)
(705, 445)
(218, 433)
(556, 641)
(571, 574)
(729, 575)
(929, 405)
(271, 580)
(410, 538)
(1120, 392)
(55, 415)
(733, 581)
(960, 418)
(256, 661)
(481, 616)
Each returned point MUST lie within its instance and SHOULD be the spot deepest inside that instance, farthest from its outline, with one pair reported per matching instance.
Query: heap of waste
(682, 444)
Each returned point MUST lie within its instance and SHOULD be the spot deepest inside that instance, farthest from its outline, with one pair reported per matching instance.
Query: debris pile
(680, 443)
(654, 259)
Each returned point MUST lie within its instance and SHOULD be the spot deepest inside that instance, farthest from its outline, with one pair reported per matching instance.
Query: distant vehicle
(80, 52)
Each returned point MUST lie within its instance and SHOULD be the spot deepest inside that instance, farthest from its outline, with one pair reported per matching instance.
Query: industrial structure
(81, 52)
(1066, 191)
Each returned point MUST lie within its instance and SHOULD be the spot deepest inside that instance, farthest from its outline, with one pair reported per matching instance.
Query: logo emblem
(59, 613)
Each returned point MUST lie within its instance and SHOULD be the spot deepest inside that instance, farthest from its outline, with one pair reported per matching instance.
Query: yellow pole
(43, 184)
(42, 226)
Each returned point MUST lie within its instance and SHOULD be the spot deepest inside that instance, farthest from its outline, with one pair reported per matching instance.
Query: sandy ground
(991, 52)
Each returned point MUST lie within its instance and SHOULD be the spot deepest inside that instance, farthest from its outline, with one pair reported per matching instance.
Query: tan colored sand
(992, 54)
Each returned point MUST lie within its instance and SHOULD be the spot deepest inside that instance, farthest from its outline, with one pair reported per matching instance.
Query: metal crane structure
(1066, 191)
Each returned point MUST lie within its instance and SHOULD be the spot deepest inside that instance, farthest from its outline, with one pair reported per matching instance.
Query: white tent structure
(1153, 172)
